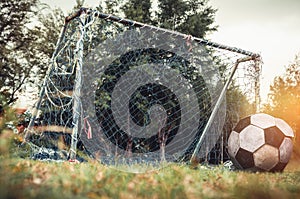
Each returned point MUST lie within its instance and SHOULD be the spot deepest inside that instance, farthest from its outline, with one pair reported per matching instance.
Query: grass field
(25, 178)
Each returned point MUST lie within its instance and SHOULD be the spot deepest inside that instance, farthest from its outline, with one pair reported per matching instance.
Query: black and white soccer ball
(261, 142)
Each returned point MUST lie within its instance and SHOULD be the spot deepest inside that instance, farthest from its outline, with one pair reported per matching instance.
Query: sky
(268, 27)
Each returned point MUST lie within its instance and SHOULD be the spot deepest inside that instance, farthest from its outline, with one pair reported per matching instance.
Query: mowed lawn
(24, 178)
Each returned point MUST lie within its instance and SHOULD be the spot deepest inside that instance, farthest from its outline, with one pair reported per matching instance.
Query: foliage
(189, 17)
(16, 56)
(142, 11)
(284, 97)
(112, 6)
(148, 95)
(7, 115)
(8, 126)
(26, 40)
(48, 28)
(237, 107)
(138, 11)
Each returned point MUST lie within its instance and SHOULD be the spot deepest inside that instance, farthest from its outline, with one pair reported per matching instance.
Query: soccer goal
(125, 92)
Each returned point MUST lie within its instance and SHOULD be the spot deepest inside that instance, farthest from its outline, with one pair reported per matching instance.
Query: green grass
(23, 178)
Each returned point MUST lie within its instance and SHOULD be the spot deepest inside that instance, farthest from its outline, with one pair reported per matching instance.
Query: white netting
(130, 93)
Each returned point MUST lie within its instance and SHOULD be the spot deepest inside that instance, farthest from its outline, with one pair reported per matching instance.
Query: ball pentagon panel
(245, 159)
(266, 157)
(233, 143)
(251, 138)
(285, 150)
(262, 120)
(279, 167)
(242, 124)
(273, 136)
(284, 127)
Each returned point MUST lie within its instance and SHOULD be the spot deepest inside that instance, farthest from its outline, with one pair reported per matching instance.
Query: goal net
(129, 93)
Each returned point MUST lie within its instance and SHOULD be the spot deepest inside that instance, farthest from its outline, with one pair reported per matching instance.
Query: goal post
(137, 93)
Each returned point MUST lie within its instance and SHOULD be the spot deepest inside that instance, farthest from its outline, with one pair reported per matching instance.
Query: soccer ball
(261, 142)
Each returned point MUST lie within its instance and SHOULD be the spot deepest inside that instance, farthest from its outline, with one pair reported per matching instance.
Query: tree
(192, 17)
(26, 39)
(46, 34)
(112, 6)
(142, 11)
(138, 11)
(15, 38)
(284, 97)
